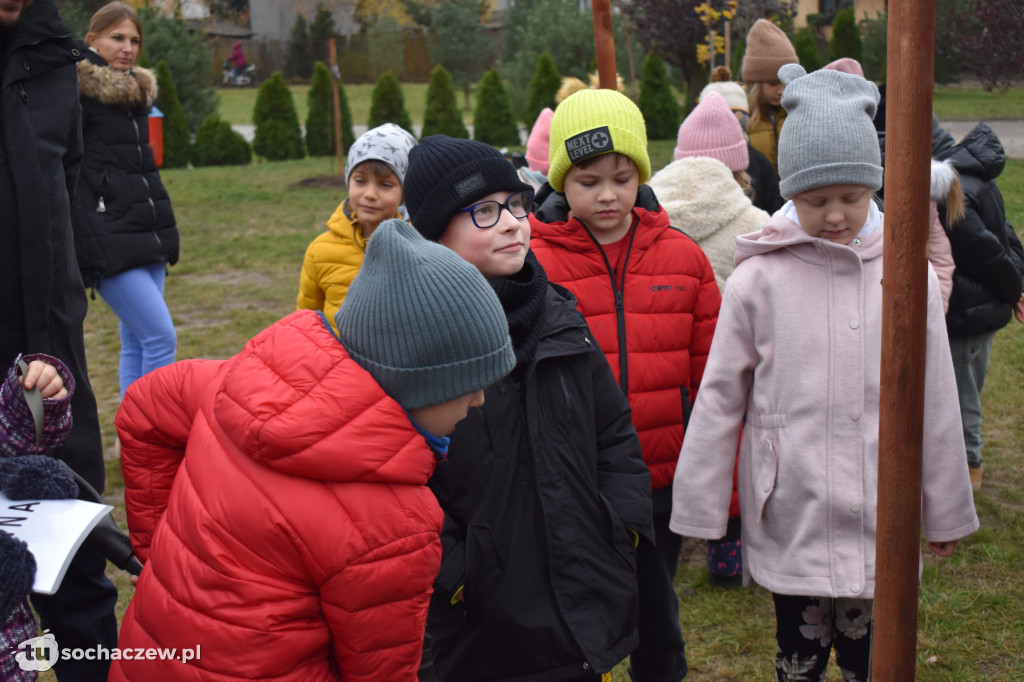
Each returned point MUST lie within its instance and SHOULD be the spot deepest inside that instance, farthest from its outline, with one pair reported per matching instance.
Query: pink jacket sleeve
(153, 423)
(940, 255)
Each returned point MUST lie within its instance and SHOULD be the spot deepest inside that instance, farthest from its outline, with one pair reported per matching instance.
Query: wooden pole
(904, 295)
(339, 147)
(604, 43)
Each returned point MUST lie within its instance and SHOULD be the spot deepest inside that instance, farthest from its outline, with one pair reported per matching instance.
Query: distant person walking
(125, 233)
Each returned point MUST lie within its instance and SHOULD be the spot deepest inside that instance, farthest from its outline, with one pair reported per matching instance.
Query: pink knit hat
(846, 65)
(537, 143)
(712, 130)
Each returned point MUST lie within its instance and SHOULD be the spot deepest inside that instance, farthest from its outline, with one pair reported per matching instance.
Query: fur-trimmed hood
(100, 82)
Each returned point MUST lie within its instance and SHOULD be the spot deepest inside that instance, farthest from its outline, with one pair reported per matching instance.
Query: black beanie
(446, 174)
(17, 573)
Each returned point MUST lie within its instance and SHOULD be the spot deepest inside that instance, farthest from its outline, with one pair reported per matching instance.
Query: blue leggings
(148, 339)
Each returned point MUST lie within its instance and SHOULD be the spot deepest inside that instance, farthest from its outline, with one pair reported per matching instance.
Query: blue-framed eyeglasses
(487, 213)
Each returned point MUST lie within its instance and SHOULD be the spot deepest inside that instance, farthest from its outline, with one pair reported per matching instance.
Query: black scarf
(522, 298)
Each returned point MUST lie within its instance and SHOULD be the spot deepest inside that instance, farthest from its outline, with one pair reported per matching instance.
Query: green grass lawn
(243, 235)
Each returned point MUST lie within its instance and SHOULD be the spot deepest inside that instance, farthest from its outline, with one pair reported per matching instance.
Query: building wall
(860, 7)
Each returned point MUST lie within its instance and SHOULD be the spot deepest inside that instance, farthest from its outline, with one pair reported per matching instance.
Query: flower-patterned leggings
(808, 627)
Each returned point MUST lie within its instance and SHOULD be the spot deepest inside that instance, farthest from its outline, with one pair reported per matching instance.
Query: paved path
(1010, 132)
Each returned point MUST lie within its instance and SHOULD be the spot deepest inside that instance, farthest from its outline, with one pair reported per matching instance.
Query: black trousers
(807, 629)
(661, 655)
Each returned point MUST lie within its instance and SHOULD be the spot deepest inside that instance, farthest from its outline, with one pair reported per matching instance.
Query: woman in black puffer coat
(125, 234)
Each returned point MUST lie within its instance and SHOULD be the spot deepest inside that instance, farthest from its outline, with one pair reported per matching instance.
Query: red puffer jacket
(662, 309)
(299, 541)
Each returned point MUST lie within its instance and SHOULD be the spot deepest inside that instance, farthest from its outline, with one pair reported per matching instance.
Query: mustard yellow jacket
(332, 261)
(764, 136)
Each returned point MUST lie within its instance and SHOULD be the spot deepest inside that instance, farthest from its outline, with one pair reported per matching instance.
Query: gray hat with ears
(828, 137)
(387, 143)
(422, 321)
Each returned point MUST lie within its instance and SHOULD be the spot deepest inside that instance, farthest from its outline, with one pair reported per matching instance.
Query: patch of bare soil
(320, 182)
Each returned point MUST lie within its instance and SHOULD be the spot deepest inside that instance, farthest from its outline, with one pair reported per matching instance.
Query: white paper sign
(53, 529)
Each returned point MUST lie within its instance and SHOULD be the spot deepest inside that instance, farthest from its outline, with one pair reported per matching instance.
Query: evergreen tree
(442, 114)
(298, 61)
(177, 138)
(543, 86)
(461, 42)
(845, 36)
(321, 30)
(657, 103)
(217, 144)
(387, 104)
(320, 139)
(807, 49)
(348, 136)
(493, 122)
(278, 135)
(188, 59)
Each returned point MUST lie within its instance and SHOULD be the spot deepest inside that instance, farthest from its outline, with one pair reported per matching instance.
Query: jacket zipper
(620, 308)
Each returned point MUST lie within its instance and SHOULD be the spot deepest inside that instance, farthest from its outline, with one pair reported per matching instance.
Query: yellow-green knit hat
(593, 122)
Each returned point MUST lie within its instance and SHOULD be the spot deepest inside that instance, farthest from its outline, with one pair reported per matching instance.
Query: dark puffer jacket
(40, 157)
(989, 258)
(122, 215)
(540, 489)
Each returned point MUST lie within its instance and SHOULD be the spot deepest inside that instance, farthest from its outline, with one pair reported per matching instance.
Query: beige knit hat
(768, 50)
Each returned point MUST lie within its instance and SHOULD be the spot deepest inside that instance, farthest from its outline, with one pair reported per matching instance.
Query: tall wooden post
(604, 43)
(904, 295)
(339, 147)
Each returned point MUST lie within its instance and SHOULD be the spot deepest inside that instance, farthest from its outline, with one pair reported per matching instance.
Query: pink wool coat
(797, 350)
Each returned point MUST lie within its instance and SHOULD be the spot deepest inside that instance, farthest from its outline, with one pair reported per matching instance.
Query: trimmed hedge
(493, 122)
(442, 114)
(278, 135)
(387, 104)
(217, 144)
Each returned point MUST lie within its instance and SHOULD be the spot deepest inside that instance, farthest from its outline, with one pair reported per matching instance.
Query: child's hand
(1018, 310)
(943, 548)
(44, 377)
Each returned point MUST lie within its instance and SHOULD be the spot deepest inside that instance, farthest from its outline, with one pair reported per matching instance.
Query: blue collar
(439, 444)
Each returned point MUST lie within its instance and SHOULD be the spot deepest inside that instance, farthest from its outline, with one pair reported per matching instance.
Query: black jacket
(40, 154)
(123, 216)
(989, 260)
(540, 488)
(765, 182)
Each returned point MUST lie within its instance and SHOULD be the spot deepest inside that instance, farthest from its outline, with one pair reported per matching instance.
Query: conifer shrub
(807, 49)
(217, 144)
(320, 139)
(177, 138)
(657, 103)
(278, 135)
(387, 104)
(846, 40)
(493, 122)
(543, 86)
(442, 114)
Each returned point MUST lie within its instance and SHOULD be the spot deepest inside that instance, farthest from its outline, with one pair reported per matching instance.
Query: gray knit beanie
(387, 143)
(828, 137)
(422, 321)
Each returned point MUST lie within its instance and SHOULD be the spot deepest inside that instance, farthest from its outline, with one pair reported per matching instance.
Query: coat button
(854, 324)
(855, 587)
(586, 666)
(855, 416)
(855, 507)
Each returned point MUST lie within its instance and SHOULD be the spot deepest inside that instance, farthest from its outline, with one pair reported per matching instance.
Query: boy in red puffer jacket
(279, 498)
(649, 294)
